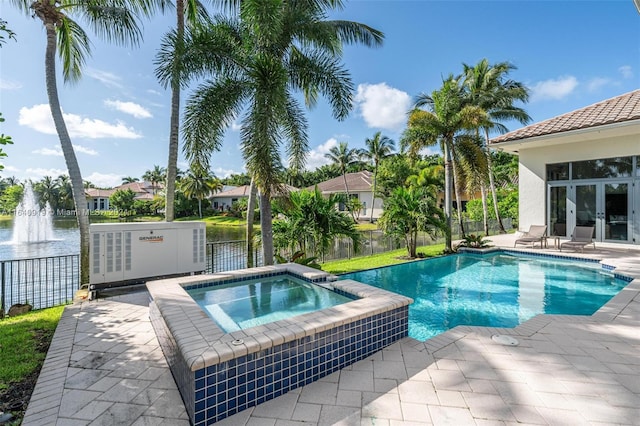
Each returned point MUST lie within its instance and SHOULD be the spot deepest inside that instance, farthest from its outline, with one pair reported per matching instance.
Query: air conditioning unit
(121, 253)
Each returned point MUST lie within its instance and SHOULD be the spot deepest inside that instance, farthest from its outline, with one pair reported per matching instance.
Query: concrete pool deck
(105, 367)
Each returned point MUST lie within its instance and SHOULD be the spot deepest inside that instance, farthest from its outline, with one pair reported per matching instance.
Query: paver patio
(105, 367)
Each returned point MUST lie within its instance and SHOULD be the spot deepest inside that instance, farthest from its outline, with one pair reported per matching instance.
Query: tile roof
(625, 107)
(243, 191)
(360, 181)
(98, 193)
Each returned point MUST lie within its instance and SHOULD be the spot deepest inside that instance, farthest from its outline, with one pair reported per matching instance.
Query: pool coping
(203, 343)
(607, 313)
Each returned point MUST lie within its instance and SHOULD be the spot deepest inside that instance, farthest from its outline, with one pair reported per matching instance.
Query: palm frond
(73, 48)
(112, 21)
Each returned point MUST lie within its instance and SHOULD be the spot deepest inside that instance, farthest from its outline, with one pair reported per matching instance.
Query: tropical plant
(343, 157)
(115, 21)
(10, 198)
(256, 61)
(47, 191)
(5, 31)
(199, 184)
(4, 140)
(474, 241)
(155, 176)
(445, 120)
(489, 88)
(409, 210)
(129, 179)
(299, 258)
(311, 223)
(123, 199)
(195, 14)
(378, 148)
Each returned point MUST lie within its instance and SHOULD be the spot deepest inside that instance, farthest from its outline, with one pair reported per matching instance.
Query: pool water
(238, 306)
(497, 290)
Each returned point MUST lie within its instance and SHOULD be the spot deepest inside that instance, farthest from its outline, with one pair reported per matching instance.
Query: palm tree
(114, 20)
(198, 184)
(409, 210)
(489, 88)
(47, 191)
(443, 121)
(65, 191)
(155, 176)
(195, 13)
(378, 148)
(342, 157)
(129, 179)
(256, 62)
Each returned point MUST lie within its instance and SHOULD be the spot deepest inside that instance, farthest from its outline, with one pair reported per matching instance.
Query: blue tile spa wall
(182, 374)
(229, 387)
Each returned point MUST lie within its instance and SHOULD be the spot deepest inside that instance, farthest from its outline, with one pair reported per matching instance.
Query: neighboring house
(360, 185)
(582, 168)
(224, 199)
(98, 199)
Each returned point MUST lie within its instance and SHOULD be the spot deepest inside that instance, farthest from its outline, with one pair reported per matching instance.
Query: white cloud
(104, 180)
(383, 106)
(57, 152)
(223, 173)
(316, 157)
(626, 71)
(11, 169)
(39, 172)
(39, 118)
(154, 92)
(9, 84)
(596, 83)
(85, 150)
(554, 88)
(105, 77)
(131, 108)
(235, 126)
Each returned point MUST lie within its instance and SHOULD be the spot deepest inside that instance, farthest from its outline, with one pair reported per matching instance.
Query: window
(559, 171)
(604, 168)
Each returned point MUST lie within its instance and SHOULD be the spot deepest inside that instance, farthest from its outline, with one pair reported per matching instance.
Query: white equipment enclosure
(134, 251)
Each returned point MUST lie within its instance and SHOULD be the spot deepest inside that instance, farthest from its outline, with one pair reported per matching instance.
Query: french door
(607, 206)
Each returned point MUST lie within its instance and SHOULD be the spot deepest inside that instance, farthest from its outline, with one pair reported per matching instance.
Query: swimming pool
(495, 290)
(247, 304)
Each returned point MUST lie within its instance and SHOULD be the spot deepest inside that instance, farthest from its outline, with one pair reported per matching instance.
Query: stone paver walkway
(105, 367)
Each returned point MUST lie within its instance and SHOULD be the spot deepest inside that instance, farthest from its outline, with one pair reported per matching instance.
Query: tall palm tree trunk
(447, 196)
(266, 227)
(492, 185)
(172, 164)
(373, 193)
(200, 208)
(485, 209)
(456, 188)
(77, 186)
(251, 207)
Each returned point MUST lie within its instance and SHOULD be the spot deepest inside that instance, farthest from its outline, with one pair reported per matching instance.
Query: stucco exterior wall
(533, 161)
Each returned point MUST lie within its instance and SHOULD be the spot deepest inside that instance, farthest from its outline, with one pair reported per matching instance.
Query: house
(360, 185)
(582, 168)
(98, 199)
(224, 199)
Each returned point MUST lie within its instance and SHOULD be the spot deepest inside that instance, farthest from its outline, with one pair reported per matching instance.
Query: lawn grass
(221, 220)
(394, 257)
(21, 343)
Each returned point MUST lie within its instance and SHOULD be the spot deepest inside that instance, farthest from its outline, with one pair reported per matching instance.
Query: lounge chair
(582, 236)
(536, 234)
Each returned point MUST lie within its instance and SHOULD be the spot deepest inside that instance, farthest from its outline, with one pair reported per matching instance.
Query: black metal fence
(42, 282)
(229, 255)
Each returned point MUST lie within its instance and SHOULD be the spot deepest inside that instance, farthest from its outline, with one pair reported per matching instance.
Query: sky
(570, 54)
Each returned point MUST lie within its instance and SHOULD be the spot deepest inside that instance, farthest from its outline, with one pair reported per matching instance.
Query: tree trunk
(172, 164)
(199, 208)
(492, 185)
(373, 193)
(251, 206)
(458, 198)
(447, 196)
(266, 227)
(77, 185)
(485, 209)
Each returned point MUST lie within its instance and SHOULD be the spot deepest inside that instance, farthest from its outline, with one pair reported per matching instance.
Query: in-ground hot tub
(221, 373)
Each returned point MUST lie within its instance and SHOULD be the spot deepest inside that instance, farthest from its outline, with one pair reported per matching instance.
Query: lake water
(67, 240)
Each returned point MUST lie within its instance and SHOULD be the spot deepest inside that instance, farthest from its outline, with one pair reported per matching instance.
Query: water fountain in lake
(32, 224)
